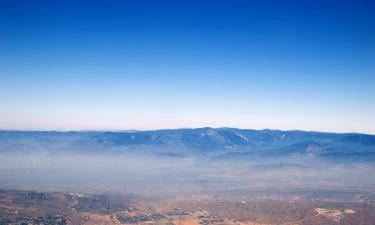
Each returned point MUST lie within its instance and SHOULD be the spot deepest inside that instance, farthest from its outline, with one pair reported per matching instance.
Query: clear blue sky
(76, 65)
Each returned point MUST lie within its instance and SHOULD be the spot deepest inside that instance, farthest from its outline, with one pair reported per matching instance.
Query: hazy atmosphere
(156, 112)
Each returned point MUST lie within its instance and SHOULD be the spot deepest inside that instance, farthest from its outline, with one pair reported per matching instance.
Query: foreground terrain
(203, 176)
(29, 207)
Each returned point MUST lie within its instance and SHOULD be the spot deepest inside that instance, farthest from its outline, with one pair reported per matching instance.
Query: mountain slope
(199, 140)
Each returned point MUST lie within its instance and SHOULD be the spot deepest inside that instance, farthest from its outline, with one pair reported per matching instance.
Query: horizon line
(180, 128)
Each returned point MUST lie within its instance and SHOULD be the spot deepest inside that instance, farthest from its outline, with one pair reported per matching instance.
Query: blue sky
(77, 65)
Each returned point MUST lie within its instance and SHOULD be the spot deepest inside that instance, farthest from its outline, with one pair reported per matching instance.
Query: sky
(119, 65)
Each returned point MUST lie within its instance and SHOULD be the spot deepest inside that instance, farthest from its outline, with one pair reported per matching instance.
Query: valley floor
(30, 207)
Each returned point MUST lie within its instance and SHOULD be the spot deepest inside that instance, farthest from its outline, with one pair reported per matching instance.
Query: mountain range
(222, 142)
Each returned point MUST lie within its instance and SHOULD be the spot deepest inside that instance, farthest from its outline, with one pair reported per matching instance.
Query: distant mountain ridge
(224, 141)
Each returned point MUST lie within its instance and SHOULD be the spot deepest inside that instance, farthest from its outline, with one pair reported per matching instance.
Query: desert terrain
(29, 207)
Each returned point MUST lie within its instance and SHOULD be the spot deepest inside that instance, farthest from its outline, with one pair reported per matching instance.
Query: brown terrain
(29, 207)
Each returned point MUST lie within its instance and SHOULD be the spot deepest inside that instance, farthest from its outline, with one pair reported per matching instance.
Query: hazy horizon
(176, 128)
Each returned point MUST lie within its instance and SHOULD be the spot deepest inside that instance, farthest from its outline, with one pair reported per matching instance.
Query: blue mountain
(227, 142)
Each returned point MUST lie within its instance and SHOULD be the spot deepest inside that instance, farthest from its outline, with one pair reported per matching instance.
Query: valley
(28, 207)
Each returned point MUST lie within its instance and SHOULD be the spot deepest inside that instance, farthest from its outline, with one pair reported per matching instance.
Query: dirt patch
(186, 221)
